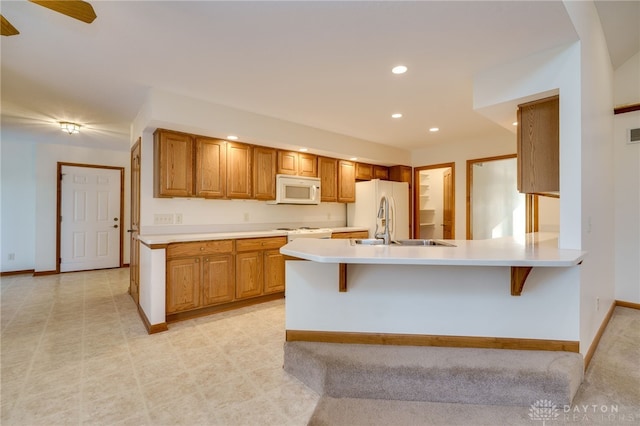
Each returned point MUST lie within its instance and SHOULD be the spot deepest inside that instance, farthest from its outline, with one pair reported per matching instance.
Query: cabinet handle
(197, 260)
(206, 259)
(201, 248)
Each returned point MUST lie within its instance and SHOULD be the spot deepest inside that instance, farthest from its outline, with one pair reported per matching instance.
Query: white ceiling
(323, 64)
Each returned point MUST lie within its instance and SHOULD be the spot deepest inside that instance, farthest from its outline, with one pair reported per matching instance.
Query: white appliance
(306, 232)
(296, 190)
(364, 212)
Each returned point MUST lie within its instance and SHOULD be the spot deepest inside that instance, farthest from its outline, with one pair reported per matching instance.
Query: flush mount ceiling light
(400, 69)
(434, 129)
(232, 137)
(303, 150)
(69, 127)
(515, 123)
(353, 158)
(396, 115)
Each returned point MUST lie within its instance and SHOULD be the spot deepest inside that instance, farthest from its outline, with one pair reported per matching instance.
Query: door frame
(59, 204)
(416, 195)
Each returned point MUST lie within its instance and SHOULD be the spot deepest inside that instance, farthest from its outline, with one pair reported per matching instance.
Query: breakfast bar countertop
(537, 249)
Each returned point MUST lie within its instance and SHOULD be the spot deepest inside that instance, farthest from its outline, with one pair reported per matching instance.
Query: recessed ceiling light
(353, 158)
(434, 129)
(396, 115)
(515, 123)
(303, 149)
(400, 69)
(232, 137)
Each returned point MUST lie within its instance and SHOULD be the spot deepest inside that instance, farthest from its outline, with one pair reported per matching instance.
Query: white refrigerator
(364, 212)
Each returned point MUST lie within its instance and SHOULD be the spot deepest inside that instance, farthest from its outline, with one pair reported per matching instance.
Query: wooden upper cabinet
(287, 163)
(346, 181)
(400, 174)
(328, 171)
(264, 173)
(297, 163)
(211, 173)
(381, 172)
(539, 146)
(364, 171)
(173, 169)
(307, 165)
(239, 170)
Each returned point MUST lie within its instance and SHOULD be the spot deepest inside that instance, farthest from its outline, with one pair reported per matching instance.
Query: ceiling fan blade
(77, 9)
(6, 29)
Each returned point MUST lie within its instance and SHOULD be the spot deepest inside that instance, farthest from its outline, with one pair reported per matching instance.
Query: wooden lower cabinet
(259, 266)
(209, 273)
(249, 274)
(273, 271)
(183, 284)
(217, 279)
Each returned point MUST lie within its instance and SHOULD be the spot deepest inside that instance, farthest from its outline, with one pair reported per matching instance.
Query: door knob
(115, 226)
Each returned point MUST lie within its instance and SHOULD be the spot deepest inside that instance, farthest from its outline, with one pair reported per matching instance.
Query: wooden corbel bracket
(519, 275)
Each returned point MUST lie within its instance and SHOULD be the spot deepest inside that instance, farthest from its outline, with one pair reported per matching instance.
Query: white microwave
(296, 190)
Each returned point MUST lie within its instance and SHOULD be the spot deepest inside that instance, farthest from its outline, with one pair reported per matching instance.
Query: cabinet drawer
(347, 235)
(253, 244)
(199, 248)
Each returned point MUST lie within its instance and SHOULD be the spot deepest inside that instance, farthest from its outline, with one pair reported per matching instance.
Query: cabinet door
(218, 279)
(239, 170)
(273, 271)
(539, 146)
(328, 169)
(400, 174)
(287, 163)
(210, 168)
(346, 181)
(264, 173)
(183, 284)
(364, 171)
(381, 172)
(249, 274)
(307, 165)
(173, 168)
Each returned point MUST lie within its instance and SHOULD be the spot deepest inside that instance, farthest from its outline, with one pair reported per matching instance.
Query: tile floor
(74, 351)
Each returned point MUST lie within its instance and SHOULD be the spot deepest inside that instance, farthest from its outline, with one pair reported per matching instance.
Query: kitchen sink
(367, 241)
(418, 242)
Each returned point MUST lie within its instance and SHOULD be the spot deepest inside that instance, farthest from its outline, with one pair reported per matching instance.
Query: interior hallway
(74, 351)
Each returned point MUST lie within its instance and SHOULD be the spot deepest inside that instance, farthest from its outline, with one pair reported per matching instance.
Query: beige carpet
(609, 394)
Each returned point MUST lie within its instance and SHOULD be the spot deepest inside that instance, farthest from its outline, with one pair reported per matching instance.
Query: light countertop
(531, 250)
(153, 239)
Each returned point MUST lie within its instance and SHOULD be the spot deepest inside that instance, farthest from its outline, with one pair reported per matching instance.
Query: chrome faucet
(383, 215)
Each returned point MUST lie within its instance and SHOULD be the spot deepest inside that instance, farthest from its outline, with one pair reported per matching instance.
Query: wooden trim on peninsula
(432, 340)
(151, 328)
(626, 108)
(42, 273)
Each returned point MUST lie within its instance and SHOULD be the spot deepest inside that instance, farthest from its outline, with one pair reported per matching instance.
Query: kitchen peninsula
(436, 295)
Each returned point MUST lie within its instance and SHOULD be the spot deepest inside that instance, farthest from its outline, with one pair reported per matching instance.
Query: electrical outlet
(163, 219)
(12, 256)
(178, 218)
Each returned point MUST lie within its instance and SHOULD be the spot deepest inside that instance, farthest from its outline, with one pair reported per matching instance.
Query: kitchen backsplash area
(173, 216)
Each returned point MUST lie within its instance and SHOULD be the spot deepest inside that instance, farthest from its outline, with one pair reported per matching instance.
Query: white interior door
(90, 223)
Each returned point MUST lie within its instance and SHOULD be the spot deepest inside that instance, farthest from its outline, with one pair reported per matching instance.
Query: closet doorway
(434, 201)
